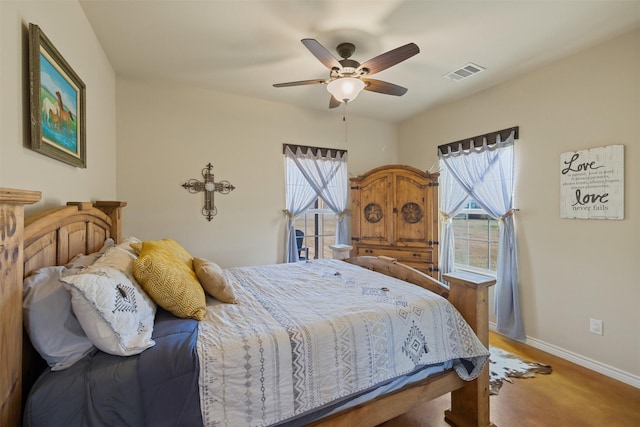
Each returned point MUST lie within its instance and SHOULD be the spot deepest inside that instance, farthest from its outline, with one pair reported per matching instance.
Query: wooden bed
(55, 236)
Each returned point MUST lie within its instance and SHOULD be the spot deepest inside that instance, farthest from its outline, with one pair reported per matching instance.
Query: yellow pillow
(168, 244)
(210, 275)
(170, 282)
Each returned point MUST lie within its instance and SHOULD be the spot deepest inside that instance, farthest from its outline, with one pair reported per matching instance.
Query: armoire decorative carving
(395, 214)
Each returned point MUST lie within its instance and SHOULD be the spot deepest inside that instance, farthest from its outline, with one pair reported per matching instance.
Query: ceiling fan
(348, 77)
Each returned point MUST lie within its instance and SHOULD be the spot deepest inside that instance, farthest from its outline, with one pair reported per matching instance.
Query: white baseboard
(601, 368)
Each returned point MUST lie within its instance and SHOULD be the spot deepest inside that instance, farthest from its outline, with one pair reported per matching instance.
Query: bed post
(11, 268)
(114, 210)
(469, 294)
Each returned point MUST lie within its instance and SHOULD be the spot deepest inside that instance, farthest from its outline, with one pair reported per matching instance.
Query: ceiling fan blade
(300, 83)
(390, 58)
(333, 102)
(321, 53)
(384, 87)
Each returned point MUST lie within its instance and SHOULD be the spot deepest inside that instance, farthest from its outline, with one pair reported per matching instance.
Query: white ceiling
(243, 47)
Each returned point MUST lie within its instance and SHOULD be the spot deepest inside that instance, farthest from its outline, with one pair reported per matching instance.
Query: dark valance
(477, 141)
(325, 152)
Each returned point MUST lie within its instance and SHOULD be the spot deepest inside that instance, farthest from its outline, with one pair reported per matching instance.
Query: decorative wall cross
(209, 187)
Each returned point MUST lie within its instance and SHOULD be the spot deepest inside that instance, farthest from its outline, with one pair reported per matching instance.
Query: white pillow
(113, 310)
(126, 242)
(51, 325)
(82, 261)
(119, 257)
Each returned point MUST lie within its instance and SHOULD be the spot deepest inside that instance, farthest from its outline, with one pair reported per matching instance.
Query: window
(319, 227)
(315, 177)
(476, 240)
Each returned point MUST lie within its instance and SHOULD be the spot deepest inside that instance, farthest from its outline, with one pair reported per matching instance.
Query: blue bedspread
(159, 387)
(169, 375)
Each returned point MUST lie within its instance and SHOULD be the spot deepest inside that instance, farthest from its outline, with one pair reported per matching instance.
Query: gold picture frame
(57, 103)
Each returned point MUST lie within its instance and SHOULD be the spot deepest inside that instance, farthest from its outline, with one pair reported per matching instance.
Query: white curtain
(298, 195)
(324, 177)
(453, 198)
(486, 173)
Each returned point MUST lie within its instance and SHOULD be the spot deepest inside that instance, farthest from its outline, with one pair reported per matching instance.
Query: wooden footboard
(468, 292)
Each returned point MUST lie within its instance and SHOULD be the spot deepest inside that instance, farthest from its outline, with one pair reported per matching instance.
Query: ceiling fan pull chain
(344, 119)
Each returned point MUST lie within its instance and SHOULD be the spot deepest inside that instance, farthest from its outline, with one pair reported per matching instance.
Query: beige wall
(65, 24)
(570, 270)
(168, 133)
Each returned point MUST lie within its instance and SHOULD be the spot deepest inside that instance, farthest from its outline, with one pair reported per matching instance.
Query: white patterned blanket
(306, 334)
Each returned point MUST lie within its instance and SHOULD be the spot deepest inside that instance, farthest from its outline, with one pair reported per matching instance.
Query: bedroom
(557, 108)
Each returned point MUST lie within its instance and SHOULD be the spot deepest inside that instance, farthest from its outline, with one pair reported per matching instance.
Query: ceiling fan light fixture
(347, 77)
(345, 89)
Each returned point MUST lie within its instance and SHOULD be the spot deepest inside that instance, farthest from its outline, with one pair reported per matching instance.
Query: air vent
(464, 72)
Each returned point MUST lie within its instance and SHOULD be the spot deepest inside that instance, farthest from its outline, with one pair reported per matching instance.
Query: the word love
(574, 166)
(585, 199)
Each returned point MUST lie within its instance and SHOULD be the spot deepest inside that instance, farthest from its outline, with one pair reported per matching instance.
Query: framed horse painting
(57, 103)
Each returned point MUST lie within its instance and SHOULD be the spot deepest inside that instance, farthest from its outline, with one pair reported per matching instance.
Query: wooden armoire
(394, 213)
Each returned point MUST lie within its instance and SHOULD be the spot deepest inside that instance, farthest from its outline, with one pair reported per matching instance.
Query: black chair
(301, 249)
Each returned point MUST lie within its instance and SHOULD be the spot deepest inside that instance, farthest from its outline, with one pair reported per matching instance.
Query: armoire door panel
(413, 212)
(376, 220)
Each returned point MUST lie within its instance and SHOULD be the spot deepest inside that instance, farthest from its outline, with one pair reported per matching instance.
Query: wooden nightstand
(341, 251)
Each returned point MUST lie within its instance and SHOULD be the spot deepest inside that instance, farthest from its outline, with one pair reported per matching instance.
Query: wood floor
(570, 396)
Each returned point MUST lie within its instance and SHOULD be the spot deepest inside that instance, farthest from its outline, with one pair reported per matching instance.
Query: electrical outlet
(595, 326)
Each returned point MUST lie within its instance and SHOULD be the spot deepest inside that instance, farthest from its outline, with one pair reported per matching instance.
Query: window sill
(481, 271)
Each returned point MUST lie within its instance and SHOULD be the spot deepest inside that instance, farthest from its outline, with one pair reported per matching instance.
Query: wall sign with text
(592, 183)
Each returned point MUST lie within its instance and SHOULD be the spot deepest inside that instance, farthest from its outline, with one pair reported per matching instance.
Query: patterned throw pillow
(115, 314)
(168, 244)
(212, 280)
(171, 283)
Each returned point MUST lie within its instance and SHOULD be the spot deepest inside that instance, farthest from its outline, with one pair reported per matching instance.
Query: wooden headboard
(55, 236)
(52, 237)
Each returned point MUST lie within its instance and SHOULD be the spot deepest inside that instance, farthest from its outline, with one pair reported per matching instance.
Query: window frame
(317, 238)
(492, 240)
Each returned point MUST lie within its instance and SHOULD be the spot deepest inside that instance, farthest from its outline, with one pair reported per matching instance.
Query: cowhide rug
(504, 365)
